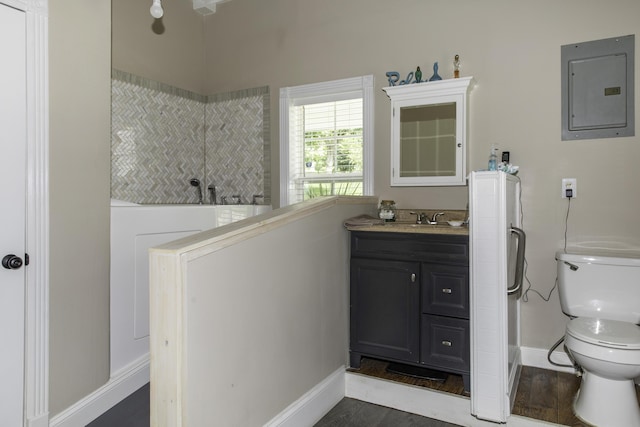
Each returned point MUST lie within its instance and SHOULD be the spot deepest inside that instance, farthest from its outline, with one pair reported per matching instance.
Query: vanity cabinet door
(385, 309)
(445, 290)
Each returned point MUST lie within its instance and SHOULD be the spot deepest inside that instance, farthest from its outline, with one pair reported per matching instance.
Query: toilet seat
(605, 333)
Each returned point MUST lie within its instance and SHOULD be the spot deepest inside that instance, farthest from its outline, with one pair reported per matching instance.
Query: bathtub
(135, 229)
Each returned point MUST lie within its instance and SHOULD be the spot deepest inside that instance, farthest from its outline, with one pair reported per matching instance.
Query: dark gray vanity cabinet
(410, 300)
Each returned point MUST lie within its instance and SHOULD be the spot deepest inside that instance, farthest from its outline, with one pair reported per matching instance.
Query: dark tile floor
(355, 413)
(131, 412)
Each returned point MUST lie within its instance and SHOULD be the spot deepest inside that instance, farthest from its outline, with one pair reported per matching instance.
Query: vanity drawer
(445, 343)
(445, 290)
(441, 248)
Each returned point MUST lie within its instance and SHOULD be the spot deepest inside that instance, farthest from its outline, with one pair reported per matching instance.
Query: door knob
(12, 262)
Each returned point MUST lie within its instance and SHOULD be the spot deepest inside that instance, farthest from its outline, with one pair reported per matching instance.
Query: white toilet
(602, 295)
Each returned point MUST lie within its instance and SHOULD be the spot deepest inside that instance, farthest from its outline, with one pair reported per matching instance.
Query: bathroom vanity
(410, 296)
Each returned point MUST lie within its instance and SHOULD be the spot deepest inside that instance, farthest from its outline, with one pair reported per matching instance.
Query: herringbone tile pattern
(234, 147)
(156, 145)
(161, 139)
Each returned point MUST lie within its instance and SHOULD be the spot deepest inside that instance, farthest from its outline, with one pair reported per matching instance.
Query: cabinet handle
(447, 343)
(446, 290)
(413, 277)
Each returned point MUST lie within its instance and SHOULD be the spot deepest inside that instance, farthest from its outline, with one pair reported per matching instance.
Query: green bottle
(418, 75)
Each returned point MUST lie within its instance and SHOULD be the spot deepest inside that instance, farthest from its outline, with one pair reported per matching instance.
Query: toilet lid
(602, 332)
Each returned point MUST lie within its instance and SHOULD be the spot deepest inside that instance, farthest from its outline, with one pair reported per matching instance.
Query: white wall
(264, 316)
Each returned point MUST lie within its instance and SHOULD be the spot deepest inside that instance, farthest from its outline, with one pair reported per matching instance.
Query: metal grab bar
(522, 241)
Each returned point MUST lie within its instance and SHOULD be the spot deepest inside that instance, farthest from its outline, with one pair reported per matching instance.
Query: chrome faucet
(420, 217)
(212, 195)
(256, 196)
(237, 198)
(195, 182)
(223, 200)
(434, 218)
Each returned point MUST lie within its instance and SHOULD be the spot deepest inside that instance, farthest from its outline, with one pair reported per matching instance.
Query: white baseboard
(39, 421)
(421, 401)
(416, 400)
(537, 357)
(121, 385)
(314, 404)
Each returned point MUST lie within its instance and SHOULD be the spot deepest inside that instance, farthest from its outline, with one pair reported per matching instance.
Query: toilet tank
(599, 285)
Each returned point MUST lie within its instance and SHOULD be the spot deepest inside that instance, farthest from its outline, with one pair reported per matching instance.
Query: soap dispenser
(493, 158)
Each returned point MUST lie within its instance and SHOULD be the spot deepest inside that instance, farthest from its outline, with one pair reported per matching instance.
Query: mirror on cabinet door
(429, 132)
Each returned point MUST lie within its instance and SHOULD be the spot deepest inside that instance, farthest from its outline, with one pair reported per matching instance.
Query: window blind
(326, 156)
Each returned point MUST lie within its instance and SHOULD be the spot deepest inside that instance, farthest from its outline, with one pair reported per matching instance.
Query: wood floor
(377, 368)
(547, 396)
(542, 394)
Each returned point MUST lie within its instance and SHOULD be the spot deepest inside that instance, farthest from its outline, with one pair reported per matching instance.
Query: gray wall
(80, 69)
(169, 50)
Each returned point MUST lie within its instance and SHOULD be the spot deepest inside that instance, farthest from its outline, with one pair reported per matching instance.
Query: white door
(12, 212)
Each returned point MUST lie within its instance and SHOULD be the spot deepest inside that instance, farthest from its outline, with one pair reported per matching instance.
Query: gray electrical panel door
(597, 89)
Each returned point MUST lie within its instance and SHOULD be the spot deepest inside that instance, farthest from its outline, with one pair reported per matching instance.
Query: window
(326, 139)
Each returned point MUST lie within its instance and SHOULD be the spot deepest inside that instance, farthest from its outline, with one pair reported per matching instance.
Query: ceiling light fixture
(156, 9)
(203, 7)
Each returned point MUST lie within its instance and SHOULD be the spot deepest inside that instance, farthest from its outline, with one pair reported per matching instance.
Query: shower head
(195, 182)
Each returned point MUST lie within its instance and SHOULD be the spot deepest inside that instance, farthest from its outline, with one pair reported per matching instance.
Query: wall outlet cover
(569, 186)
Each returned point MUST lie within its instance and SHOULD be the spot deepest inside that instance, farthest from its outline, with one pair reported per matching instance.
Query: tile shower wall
(162, 137)
(237, 157)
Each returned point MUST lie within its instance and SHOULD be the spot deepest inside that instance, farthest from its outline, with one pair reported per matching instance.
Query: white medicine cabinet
(429, 132)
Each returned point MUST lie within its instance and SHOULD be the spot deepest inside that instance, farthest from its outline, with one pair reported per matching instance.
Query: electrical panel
(598, 89)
